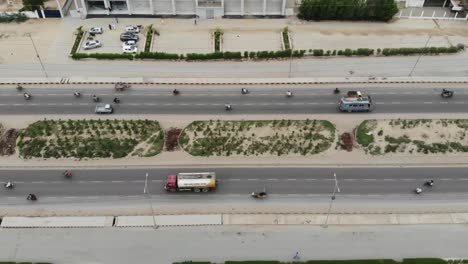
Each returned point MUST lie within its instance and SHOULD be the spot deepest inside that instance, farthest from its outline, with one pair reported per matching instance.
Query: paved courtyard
(183, 42)
(251, 40)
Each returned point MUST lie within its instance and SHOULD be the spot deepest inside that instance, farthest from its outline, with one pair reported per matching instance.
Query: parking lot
(110, 39)
(183, 42)
(237, 40)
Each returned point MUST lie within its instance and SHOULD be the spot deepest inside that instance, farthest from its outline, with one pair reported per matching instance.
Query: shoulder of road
(229, 81)
(233, 219)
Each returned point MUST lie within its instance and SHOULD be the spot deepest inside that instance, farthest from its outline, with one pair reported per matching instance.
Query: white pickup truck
(104, 109)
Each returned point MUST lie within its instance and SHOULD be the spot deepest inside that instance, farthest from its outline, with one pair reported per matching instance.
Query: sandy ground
(54, 37)
(332, 157)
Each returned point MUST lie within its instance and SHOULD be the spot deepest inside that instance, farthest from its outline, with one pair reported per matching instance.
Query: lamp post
(419, 57)
(148, 195)
(336, 189)
(37, 55)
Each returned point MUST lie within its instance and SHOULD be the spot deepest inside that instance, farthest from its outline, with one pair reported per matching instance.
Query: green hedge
(158, 56)
(18, 18)
(357, 261)
(79, 36)
(285, 35)
(103, 56)
(214, 56)
(149, 38)
(411, 51)
(217, 39)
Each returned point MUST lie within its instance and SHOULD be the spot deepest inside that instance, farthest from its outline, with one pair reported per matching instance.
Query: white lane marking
(68, 104)
(51, 104)
(37, 182)
(310, 179)
(132, 196)
(443, 102)
(83, 104)
(427, 102)
(233, 179)
(95, 181)
(330, 103)
(200, 104)
(312, 103)
(17, 104)
(137, 181)
(169, 104)
(459, 102)
(248, 104)
(348, 179)
(290, 179)
(56, 182)
(389, 179)
(445, 179)
(149, 104)
(252, 179)
(156, 180)
(396, 102)
(183, 104)
(280, 103)
(117, 181)
(380, 103)
(271, 179)
(408, 179)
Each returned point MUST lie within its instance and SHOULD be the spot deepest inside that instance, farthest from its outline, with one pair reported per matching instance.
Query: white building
(183, 8)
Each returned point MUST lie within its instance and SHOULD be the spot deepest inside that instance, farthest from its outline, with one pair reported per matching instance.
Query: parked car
(132, 29)
(96, 30)
(129, 36)
(129, 49)
(129, 43)
(92, 44)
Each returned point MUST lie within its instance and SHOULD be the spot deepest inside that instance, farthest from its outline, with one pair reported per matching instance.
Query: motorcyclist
(244, 91)
(289, 93)
(175, 91)
(31, 197)
(430, 183)
(336, 90)
(116, 100)
(9, 185)
(19, 87)
(95, 98)
(67, 173)
(77, 94)
(228, 106)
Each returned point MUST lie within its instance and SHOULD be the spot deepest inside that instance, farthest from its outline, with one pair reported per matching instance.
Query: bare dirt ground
(422, 136)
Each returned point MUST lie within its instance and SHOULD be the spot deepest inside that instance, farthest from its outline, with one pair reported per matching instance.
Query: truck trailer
(191, 182)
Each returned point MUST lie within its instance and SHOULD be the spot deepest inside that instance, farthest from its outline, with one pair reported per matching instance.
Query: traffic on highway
(245, 100)
(186, 182)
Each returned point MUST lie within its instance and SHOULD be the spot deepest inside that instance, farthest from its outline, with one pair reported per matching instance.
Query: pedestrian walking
(195, 22)
(110, 27)
(116, 20)
(113, 25)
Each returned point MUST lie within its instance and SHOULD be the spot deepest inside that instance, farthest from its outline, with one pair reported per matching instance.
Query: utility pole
(336, 188)
(419, 57)
(148, 195)
(37, 55)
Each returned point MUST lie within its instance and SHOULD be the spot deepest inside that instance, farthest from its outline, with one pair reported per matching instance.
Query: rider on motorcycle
(77, 94)
(228, 106)
(175, 91)
(9, 185)
(336, 90)
(244, 91)
(32, 197)
(67, 173)
(289, 93)
(116, 100)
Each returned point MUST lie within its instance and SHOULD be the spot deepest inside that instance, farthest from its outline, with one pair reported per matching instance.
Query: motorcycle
(336, 91)
(31, 197)
(116, 100)
(418, 190)
(27, 96)
(175, 92)
(96, 99)
(446, 93)
(259, 195)
(430, 183)
(19, 88)
(289, 94)
(228, 107)
(77, 94)
(9, 185)
(67, 174)
(244, 91)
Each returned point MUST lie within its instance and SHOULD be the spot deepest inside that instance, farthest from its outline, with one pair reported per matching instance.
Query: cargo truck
(191, 182)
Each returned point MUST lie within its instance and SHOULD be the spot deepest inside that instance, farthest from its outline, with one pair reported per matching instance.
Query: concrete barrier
(56, 222)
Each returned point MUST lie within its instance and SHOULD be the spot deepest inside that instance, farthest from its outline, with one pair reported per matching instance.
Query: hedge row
(8, 18)
(357, 261)
(79, 36)
(426, 50)
(227, 55)
(158, 56)
(149, 38)
(102, 56)
(218, 34)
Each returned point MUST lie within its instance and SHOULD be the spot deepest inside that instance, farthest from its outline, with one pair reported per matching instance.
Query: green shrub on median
(158, 56)
(103, 56)
(79, 36)
(425, 50)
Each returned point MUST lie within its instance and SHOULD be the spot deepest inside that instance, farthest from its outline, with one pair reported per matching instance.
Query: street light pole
(290, 64)
(148, 195)
(419, 57)
(37, 55)
(336, 188)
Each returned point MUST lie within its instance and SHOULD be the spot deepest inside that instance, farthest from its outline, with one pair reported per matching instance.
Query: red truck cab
(171, 183)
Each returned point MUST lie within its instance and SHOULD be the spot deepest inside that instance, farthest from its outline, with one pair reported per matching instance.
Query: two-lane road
(239, 181)
(209, 100)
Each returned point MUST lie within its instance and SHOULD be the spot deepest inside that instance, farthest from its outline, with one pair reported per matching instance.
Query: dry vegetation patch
(90, 139)
(413, 136)
(271, 137)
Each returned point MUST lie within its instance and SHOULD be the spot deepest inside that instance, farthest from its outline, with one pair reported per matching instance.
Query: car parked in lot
(129, 43)
(92, 44)
(132, 29)
(129, 49)
(96, 30)
(129, 36)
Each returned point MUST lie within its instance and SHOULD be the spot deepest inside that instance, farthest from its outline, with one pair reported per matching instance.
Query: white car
(92, 44)
(96, 30)
(129, 49)
(132, 29)
(129, 43)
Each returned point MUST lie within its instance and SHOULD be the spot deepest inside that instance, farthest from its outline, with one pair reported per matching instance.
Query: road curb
(227, 81)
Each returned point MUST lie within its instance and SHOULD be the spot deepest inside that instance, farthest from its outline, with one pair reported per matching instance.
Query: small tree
(32, 5)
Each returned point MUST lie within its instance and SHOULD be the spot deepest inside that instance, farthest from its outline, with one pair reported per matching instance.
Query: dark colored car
(128, 36)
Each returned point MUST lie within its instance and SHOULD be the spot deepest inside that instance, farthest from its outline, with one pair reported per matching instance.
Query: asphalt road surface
(211, 100)
(451, 65)
(238, 181)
